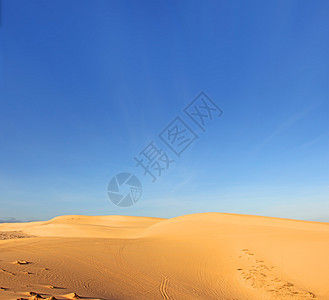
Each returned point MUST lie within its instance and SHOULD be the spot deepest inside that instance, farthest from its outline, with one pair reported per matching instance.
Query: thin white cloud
(287, 124)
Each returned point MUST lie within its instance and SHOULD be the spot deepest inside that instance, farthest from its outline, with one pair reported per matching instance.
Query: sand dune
(200, 256)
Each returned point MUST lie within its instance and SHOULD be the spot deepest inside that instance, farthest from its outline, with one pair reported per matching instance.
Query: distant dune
(200, 256)
(11, 220)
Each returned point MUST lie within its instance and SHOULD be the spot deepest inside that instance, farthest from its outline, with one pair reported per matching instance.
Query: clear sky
(87, 85)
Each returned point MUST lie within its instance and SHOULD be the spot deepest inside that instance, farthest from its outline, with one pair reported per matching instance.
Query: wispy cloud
(288, 123)
(313, 141)
(293, 119)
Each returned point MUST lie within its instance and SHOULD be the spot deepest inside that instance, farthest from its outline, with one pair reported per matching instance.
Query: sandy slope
(201, 256)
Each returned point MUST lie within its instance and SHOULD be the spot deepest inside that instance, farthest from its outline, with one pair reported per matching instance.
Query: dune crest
(199, 256)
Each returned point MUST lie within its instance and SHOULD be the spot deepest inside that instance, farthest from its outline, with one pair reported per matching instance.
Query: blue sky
(86, 85)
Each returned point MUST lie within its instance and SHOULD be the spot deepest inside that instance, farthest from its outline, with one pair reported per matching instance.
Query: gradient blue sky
(86, 85)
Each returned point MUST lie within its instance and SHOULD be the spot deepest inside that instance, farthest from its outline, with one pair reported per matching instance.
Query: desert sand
(200, 256)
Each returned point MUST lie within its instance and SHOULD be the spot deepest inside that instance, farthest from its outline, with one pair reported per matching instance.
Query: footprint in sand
(259, 275)
(34, 295)
(50, 287)
(21, 262)
(27, 273)
(53, 287)
(7, 272)
(72, 296)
